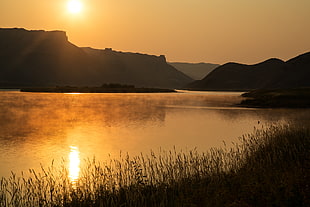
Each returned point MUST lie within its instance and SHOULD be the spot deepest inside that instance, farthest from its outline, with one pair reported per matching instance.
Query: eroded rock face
(47, 58)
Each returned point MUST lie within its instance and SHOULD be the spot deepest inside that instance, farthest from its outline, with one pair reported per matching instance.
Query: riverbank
(277, 98)
(102, 89)
(269, 168)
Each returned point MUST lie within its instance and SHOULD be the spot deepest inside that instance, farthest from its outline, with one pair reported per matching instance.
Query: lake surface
(36, 128)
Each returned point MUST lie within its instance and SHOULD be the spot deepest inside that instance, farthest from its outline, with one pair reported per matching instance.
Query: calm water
(38, 127)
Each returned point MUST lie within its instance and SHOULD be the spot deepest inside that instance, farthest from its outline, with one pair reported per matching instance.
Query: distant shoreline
(9, 89)
(71, 89)
(277, 98)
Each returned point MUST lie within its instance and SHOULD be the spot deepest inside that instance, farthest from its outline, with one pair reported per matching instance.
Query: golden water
(39, 127)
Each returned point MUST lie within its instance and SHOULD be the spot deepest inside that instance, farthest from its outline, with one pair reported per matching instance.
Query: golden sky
(216, 31)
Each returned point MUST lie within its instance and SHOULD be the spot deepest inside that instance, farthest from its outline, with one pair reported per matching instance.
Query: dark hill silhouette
(137, 69)
(272, 73)
(40, 58)
(196, 71)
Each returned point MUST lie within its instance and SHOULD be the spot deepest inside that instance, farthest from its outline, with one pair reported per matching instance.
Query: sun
(74, 6)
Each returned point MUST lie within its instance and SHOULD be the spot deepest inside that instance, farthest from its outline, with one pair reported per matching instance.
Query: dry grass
(269, 168)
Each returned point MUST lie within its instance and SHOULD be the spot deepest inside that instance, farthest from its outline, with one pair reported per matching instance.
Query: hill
(272, 73)
(137, 69)
(47, 58)
(196, 71)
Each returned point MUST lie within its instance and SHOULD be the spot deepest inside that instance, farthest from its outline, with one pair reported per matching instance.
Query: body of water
(37, 128)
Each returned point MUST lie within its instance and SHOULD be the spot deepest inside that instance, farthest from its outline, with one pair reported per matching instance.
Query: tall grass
(269, 167)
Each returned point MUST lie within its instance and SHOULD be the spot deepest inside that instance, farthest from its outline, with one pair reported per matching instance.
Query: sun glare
(74, 6)
(74, 164)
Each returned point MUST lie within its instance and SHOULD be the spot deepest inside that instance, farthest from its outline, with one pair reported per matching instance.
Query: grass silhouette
(269, 167)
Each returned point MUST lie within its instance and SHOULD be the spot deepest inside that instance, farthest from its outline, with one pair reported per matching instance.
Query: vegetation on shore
(105, 88)
(270, 167)
(272, 98)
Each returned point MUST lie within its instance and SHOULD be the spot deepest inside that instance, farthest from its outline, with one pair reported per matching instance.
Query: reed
(269, 167)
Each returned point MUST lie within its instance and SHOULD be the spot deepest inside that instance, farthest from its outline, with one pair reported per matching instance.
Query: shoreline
(277, 98)
(71, 89)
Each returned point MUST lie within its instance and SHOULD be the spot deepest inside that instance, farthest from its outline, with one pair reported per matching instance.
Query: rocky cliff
(41, 58)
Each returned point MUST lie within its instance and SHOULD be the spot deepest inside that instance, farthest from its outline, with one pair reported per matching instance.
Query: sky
(214, 31)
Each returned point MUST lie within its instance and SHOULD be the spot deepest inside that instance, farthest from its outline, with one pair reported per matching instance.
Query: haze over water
(39, 127)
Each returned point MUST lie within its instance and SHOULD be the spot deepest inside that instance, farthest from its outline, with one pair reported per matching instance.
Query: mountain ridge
(271, 73)
(47, 58)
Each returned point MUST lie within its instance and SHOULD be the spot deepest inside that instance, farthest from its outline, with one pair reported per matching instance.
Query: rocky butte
(30, 58)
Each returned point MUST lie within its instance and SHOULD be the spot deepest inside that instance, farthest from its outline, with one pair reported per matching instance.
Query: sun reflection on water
(74, 164)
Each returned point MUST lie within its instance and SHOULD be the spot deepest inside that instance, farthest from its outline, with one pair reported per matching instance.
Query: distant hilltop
(196, 71)
(30, 58)
(272, 73)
